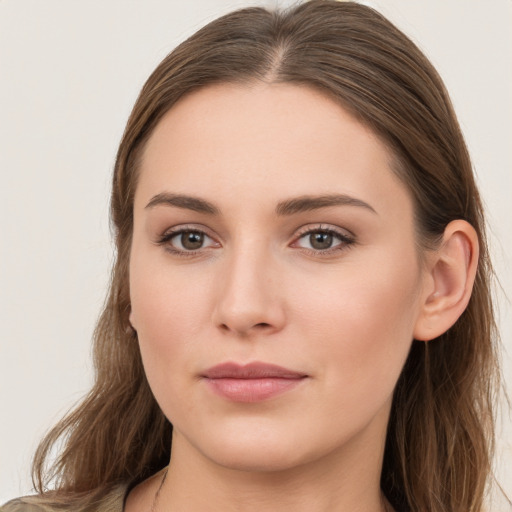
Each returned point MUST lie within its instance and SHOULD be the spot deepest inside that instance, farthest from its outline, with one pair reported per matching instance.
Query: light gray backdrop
(70, 71)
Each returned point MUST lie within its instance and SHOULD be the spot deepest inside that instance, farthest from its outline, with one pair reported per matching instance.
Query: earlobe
(131, 320)
(452, 272)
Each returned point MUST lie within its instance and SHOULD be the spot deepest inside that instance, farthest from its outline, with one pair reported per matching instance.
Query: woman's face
(270, 230)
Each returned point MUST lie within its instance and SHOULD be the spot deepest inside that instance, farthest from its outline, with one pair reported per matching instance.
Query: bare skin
(270, 227)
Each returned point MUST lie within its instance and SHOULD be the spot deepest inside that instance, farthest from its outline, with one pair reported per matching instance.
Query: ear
(451, 274)
(131, 319)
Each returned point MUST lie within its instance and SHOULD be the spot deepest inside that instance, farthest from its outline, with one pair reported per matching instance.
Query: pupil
(192, 240)
(320, 240)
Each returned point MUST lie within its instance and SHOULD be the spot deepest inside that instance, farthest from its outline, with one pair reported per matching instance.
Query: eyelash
(346, 241)
(165, 238)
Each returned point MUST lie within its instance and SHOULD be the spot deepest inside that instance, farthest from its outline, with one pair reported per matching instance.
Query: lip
(252, 382)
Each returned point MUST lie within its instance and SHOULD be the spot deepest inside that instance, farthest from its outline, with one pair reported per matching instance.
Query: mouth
(253, 382)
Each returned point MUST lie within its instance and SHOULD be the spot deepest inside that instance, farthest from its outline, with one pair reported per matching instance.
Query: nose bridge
(247, 296)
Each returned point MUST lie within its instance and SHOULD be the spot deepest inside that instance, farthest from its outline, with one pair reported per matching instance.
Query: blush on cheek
(368, 321)
(168, 327)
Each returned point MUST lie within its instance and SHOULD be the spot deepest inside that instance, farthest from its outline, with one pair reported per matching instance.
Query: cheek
(166, 308)
(363, 319)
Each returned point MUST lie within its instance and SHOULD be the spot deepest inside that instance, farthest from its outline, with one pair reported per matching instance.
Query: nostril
(258, 326)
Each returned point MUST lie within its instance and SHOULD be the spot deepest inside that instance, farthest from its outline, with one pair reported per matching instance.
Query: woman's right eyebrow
(183, 201)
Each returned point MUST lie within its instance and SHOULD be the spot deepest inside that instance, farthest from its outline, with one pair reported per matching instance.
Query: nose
(249, 301)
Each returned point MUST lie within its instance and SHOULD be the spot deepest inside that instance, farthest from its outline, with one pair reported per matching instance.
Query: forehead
(265, 140)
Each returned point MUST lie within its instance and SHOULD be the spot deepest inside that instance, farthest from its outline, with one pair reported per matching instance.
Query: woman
(301, 297)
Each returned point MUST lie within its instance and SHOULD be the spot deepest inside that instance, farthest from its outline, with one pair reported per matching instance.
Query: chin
(264, 448)
(255, 458)
(249, 446)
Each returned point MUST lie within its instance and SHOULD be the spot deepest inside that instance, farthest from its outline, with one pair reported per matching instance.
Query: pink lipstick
(253, 382)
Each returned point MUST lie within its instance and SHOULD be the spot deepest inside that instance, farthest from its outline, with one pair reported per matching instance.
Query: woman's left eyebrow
(308, 203)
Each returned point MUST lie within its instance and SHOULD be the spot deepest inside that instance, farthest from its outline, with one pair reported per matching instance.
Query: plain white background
(70, 71)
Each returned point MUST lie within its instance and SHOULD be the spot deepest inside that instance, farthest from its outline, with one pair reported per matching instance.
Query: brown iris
(320, 240)
(192, 240)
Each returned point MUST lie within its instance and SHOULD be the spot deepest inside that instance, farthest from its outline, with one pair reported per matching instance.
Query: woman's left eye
(322, 240)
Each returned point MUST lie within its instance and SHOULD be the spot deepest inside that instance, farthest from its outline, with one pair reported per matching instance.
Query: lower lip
(252, 390)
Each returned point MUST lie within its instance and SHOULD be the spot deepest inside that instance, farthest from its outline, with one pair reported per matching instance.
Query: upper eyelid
(308, 228)
(180, 228)
(342, 237)
(305, 228)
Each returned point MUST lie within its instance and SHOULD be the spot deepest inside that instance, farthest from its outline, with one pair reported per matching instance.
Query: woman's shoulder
(22, 505)
(28, 504)
(112, 501)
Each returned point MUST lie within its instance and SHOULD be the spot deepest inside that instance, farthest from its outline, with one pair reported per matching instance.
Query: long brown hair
(440, 436)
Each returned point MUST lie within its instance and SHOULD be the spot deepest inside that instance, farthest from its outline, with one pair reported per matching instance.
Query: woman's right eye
(187, 241)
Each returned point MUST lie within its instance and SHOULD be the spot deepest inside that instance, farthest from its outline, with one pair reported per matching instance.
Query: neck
(338, 482)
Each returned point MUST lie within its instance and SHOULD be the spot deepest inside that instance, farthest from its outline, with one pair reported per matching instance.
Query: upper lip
(256, 370)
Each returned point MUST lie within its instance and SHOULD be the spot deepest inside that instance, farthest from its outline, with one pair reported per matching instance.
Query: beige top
(113, 501)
